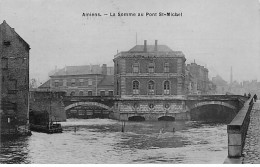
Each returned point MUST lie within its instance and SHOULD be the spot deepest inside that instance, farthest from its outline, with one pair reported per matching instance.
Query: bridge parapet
(237, 130)
(216, 97)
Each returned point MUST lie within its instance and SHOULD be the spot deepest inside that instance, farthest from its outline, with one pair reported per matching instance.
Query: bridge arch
(166, 118)
(137, 118)
(204, 103)
(212, 111)
(87, 104)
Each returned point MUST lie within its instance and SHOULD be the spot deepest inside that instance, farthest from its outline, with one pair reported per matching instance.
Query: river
(101, 141)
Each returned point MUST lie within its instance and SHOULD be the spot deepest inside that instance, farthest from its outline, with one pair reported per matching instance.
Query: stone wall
(50, 102)
(150, 109)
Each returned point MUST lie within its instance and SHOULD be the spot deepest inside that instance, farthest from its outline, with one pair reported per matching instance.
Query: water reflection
(101, 141)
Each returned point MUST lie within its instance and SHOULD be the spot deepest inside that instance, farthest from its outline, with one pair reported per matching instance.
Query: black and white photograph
(130, 82)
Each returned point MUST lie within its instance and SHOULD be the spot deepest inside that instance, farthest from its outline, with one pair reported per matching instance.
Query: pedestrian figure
(245, 94)
(173, 129)
(123, 127)
(75, 129)
(255, 97)
(249, 95)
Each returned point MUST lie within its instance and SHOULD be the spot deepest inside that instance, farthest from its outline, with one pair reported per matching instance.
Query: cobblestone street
(251, 150)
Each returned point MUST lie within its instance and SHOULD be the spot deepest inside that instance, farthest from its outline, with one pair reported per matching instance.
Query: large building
(149, 80)
(14, 73)
(87, 80)
(91, 81)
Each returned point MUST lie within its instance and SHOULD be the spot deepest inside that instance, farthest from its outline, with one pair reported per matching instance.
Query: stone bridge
(194, 107)
(207, 107)
(88, 106)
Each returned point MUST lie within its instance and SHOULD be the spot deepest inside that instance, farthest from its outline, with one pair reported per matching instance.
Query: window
(64, 82)
(117, 87)
(90, 93)
(166, 67)
(72, 93)
(102, 93)
(81, 82)
(110, 93)
(7, 43)
(73, 82)
(135, 87)
(150, 87)
(151, 68)
(4, 63)
(56, 83)
(81, 93)
(12, 86)
(90, 82)
(166, 88)
(136, 68)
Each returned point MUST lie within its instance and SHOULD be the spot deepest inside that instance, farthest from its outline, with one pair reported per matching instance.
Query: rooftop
(80, 70)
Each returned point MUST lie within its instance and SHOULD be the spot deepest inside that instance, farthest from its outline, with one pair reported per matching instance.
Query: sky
(217, 34)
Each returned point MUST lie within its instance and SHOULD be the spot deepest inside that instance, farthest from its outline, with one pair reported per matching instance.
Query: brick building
(199, 83)
(87, 80)
(14, 73)
(148, 79)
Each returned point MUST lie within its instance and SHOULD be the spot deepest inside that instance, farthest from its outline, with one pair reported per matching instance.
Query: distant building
(200, 80)
(145, 76)
(87, 80)
(221, 85)
(14, 80)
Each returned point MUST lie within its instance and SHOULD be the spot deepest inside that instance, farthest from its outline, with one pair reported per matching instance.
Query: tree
(33, 83)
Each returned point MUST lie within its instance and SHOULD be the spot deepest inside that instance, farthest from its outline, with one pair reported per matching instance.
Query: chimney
(104, 69)
(145, 46)
(156, 46)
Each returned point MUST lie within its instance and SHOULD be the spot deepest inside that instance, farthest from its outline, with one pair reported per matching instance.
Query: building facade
(14, 72)
(199, 84)
(148, 81)
(221, 85)
(88, 80)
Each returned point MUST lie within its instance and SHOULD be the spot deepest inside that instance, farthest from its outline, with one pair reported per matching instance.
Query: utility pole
(136, 38)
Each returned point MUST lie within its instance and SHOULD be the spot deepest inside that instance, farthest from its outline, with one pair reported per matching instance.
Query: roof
(46, 84)
(79, 70)
(151, 48)
(4, 25)
(108, 80)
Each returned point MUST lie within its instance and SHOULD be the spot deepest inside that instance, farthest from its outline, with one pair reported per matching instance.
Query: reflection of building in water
(148, 79)
(14, 74)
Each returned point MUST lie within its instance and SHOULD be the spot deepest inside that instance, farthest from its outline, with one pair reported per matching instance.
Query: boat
(41, 122)
(47, 128)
